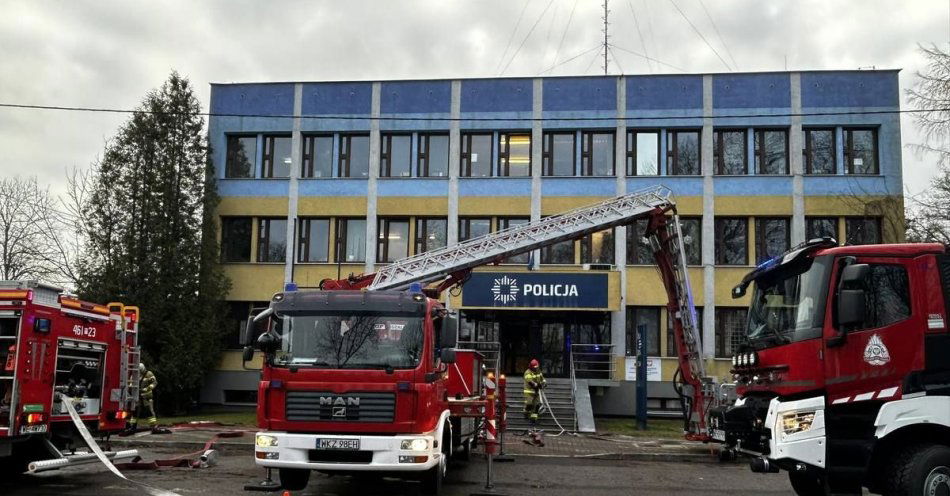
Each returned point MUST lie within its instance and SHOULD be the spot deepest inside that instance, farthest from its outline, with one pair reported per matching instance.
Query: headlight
(414, 444)
(797, 422)
(265, 441)
(743, 360)
(753, 359)
(735, 360)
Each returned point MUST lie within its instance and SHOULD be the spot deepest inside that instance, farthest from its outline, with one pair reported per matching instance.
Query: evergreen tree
(153, 240)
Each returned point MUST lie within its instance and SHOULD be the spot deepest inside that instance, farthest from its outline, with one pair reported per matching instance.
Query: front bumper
(376, 453)
(807, 446)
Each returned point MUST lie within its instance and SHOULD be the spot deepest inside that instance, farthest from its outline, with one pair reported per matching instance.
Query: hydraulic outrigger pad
(265, 486)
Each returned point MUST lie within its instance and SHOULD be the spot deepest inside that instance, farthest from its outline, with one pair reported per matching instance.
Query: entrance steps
(560, 399)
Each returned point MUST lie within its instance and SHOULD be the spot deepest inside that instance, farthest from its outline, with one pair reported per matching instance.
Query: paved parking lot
(526, 476)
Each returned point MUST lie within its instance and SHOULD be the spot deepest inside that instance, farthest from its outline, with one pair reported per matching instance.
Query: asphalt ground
(526, 476)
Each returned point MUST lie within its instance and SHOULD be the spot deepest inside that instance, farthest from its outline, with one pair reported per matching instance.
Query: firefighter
(147, 385)
(533, 383)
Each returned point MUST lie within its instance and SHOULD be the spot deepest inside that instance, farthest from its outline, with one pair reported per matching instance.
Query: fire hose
(546, 407)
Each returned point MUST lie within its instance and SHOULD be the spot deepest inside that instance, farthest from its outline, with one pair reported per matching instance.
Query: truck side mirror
(268, 342)
(852, 307)
(248, 332)
(248, 354)
(448, 355)
(450, 331)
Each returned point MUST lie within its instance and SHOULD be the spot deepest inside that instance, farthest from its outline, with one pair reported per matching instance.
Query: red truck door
(873, 357)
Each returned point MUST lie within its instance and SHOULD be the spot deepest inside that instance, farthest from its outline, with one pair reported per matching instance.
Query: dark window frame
(586, 245)
(385, 154)
(719, 242)
(343, 162)
(721, 344)
(547, 153)
(339, 253)
(307, 154)
(304, 228)
(879, 226)
(421, 241)
(758, 137)
(465, 150)
(848, 150)
(465, 227)
(383, 225)
(719, 159)
(230, 152)
(809, 167)
(809, 218)
(504, 152)
(267, 158)
(264, 236)
(587, 152)
(631, 331)
(250, 236)
(504, 222)
(672, 155)
(423, 154)
(631, 156)
(760, 242)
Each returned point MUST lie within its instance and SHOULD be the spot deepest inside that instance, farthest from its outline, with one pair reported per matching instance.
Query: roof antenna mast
(606, 24)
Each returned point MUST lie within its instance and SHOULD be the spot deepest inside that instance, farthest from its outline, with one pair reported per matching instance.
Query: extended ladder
(435, 264)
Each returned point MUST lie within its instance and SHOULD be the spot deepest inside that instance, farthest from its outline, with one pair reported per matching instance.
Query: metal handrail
(583, 356)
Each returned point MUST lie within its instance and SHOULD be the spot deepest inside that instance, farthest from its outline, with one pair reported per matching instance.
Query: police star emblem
(505, 290)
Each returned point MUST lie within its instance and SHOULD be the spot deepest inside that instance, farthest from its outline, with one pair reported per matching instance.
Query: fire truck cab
(52, 344)
(844, 372)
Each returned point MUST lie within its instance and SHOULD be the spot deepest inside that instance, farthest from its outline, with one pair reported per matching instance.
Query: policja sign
(535, 290)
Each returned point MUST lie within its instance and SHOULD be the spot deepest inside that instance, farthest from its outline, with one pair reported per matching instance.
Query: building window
(395, 156)
(558, 253)
(430, 234)
(887, 297)
(639, 251)
(820, 227)
(241, 155)
(505, 223)
(771, 237)
(646, 319)
(473, 227)
(235, 322)
(514, 154)
(277, 160)
(558, 154)
(351, 240)
(860, 151)
(732, 246)
(671, 350)
(235, 239)
(691, 229)
(354, 156)
(393, 240)
(730, 330)
(643, 153)
(317, 156)
(476, 155)
(314, 240)
(729, 151)
(272, 240)
(683, 153)
(433, 155)
(862, 231)
(820, 151)
(598, 248)
(771, 151)
(597, 154)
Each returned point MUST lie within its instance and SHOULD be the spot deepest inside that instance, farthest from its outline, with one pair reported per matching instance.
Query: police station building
(323, 179)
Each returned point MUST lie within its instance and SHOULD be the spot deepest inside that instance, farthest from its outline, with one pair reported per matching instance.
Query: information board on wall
(654, 369)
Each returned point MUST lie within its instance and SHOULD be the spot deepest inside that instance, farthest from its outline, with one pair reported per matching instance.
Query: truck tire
(807, 483)
(434, 478)
(294, 479)
(920, 469)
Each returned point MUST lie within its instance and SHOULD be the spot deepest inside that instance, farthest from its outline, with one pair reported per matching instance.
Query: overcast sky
(110, 53)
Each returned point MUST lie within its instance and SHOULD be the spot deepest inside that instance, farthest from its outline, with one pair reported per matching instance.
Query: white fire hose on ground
(546, 407)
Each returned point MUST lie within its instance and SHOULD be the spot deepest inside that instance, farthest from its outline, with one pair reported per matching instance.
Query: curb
(229, 446)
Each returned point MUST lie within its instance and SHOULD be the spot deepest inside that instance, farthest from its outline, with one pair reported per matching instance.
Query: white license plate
(338, 444)
(33, 429)
(719, 435)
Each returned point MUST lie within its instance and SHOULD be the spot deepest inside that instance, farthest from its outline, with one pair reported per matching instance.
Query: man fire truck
(359, 381)
(53, 345)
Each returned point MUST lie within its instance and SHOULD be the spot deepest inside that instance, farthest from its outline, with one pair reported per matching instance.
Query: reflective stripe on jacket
(531, 376)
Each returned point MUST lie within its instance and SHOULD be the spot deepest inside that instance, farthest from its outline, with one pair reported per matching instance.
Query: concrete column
(709, 229)
(796, 166)
(536, 148)
(455, 141)
(296, 142)
(618, 319)
(372, 181)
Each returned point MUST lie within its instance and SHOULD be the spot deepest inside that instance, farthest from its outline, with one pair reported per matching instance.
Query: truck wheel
(921, 469)
(807, 483)
(435, 476)
(294, 479)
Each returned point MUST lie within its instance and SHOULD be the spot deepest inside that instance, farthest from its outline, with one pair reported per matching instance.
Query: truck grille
(313, 406)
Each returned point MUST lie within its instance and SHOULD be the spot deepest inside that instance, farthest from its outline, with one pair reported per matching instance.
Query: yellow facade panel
(253, 206)
(310, 275)
(754, 205)
(254, 282)
(554, 205)
(232, 361)
(689, 205)
(644, 286)
(413, 205)
(494, 205)
(344, 206)
(726, 279)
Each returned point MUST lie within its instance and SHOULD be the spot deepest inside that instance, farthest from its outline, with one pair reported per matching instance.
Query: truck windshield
(350, 341)
(788, 303)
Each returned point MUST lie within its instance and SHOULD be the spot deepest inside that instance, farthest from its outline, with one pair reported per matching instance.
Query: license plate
(33, 429)
(338, 444)
(719, 435)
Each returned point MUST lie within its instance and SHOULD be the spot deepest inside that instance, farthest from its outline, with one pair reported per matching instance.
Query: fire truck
(843, 375)
(54, 345)
(361, 375)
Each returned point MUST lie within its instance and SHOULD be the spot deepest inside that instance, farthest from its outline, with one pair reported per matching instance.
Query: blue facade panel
(337, 98)
(664, 92)
(753, 185)
(494, 186)
(416, 186)
(850, 89)
(416, 97)
(332, 187)
(253, 187)
(582, 93)
(253, 99)
(578, 186)
(751, 91)
(497, 95)
(680, 185)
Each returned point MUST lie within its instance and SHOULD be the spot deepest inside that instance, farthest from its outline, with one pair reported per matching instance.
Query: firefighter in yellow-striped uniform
(533, 383)
(147, 386)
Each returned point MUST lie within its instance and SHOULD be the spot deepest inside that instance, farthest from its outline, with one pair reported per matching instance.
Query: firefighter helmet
(534, 363)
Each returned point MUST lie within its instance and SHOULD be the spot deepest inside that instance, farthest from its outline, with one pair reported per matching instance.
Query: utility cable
(677, 7)
(595, 47)
(564, 34)
(596, 56)
(638, 54)
(719, 35)
(616, 59)
(512, 37)
(538, 21)
(636, 23)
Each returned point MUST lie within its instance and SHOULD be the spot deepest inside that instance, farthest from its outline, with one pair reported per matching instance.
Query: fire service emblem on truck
(875, 353)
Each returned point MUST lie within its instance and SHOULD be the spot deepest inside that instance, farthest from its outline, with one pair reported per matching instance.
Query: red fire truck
(52, 344)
